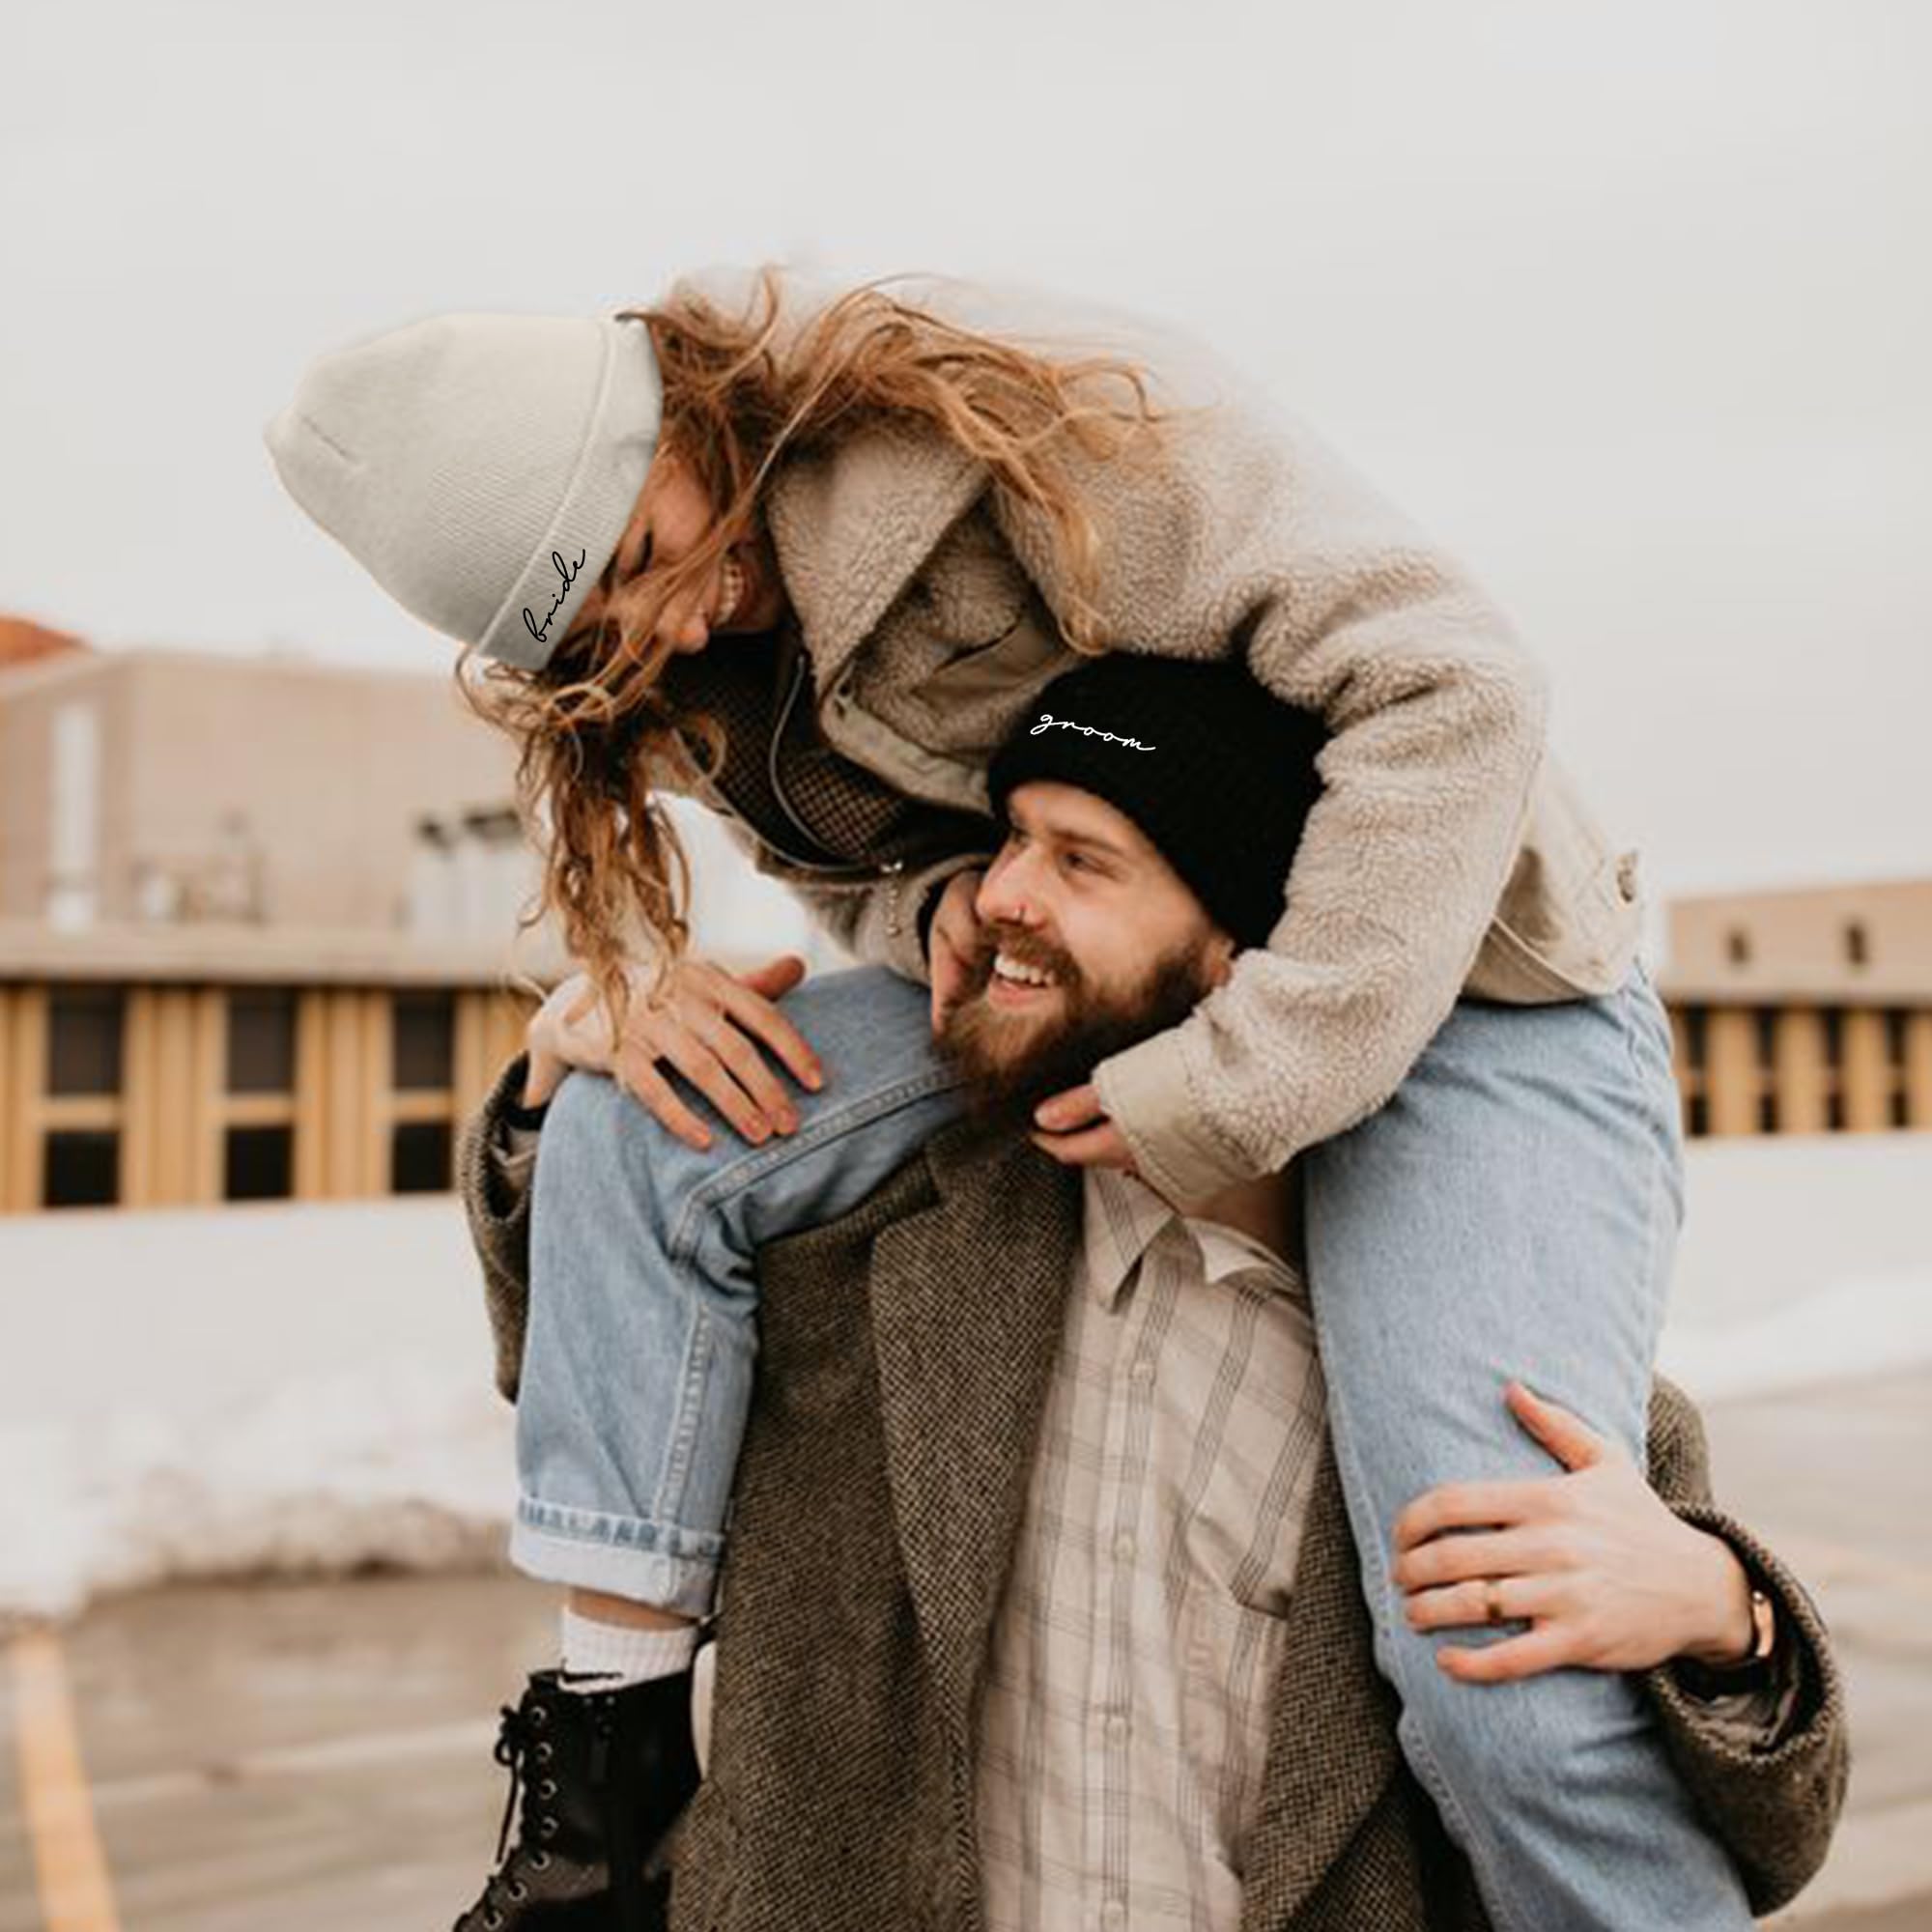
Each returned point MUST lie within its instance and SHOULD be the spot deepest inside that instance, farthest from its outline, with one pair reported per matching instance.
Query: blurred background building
(256, 922)
(1804, 1011)
(256, 919)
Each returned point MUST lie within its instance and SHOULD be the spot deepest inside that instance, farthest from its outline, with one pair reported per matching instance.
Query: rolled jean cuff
(660, 1564)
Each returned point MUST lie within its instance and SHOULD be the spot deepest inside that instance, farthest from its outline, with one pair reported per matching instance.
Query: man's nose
(1007, 892)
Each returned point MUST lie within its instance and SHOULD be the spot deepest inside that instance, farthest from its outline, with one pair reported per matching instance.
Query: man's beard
(1010, 1064)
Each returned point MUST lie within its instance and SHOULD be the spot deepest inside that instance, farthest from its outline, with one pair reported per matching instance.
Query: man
(1039, 1605)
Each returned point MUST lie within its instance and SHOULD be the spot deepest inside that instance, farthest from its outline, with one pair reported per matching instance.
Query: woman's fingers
(639, 1076)
(951, 940)
(752, 1009)
(1075, 1107)
(1472, 1506)
(1453, 1559)
(700, 1063)
(772, 1111)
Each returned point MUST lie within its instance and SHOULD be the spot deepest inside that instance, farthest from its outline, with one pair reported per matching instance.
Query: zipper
(800, 667)
(847, 876)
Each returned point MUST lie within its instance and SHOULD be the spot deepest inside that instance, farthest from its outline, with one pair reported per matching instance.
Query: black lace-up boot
(603, 1775)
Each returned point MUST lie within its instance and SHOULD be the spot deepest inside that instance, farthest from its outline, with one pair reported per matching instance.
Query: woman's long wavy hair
(597, 736)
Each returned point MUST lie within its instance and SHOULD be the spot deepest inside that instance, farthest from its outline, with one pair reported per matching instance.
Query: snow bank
(302, 1389)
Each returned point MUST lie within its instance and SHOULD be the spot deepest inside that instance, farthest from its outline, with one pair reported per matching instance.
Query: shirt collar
(1122, 1217)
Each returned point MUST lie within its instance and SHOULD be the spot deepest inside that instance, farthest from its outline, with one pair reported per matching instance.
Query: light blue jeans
(1512, 1212)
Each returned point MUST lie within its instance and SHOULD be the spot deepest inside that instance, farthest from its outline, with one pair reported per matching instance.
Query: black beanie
(1216, 771)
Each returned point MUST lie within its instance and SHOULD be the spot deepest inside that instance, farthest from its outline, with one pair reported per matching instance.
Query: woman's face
(743, 592)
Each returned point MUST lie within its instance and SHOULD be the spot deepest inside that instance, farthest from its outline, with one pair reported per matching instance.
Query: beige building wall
(1851, 942)
(297, 787)
(1804, 1011)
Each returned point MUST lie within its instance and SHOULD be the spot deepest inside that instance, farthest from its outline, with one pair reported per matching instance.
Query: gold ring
(1492, 1600)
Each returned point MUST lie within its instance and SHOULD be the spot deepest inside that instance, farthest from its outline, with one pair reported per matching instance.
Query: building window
(419, 1158)
(84, 1030)
(1856, 947)
(1696, 1028)
(261, 1040)
(1699, 1122)
(1834, 1070)
(1738, 946)
(424, 1036)
(258, 1164)
(82, 1168)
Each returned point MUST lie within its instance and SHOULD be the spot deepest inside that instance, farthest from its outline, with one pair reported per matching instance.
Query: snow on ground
(307, 1388)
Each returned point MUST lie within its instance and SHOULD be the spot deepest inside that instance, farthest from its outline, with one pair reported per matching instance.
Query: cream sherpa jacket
(1447, 854)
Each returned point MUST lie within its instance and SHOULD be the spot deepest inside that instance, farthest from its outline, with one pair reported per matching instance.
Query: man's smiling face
(1090, 941)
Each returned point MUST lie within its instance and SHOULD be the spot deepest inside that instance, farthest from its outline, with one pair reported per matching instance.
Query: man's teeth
(1011, 969)
(731, 590)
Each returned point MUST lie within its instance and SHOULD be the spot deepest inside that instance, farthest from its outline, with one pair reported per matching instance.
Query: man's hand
(1599, 1566)
(1074, 1129)
(709, 1024)
(952, 940)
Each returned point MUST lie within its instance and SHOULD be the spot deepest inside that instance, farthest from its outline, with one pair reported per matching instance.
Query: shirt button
(1124, 1546)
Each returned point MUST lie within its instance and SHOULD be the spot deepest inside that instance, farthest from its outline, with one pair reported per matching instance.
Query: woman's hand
(1077, 1131)
(1594, 1561)
(952, 940)
(708, 1024)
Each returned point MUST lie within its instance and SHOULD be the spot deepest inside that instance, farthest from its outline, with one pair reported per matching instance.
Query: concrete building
(258, 926)
(168, 787)
(1803, 1010)
(145, 1067)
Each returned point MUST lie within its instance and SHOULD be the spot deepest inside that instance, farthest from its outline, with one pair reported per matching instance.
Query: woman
(810, 559)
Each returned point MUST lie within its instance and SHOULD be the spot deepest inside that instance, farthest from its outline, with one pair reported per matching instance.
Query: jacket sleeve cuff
(1772, 1790)
(1148, 1097)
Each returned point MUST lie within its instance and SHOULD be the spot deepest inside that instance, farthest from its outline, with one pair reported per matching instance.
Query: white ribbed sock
(607, 1657)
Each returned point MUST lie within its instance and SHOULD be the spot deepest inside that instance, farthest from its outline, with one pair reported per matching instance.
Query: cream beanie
(481, 468)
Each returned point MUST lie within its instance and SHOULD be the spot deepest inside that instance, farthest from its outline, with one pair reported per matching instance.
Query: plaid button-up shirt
(1133, 1656)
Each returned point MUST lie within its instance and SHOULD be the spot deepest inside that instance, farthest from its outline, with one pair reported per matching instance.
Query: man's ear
(1219, 957)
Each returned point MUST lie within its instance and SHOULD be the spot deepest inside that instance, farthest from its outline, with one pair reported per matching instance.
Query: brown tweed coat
(905, 1354)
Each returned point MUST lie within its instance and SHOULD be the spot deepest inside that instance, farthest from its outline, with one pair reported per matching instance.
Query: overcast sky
(1629, 304)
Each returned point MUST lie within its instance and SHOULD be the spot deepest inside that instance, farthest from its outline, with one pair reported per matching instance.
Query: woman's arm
(1257, 540)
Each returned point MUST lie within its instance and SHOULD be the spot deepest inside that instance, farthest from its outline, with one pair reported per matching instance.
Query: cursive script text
(1047, 718)
(567, 571)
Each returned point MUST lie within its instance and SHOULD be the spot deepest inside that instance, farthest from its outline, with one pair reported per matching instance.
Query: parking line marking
(76, 1895)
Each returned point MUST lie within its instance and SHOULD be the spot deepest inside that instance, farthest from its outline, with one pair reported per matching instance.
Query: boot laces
(516, 1743)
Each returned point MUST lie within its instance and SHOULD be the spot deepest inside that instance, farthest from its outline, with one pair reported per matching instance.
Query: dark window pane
(1737, 942)
(1894, 1036)
(259, 1164)
(1835, 1113)
(1899, 1116)
(1699, 1122)
(1835, 1036)
(1696, 1025)
(1767, 1037)
(84, 1040)
(419, 1158)
(1767, 1113)
(83, 1170)
(1858, 948)
(261, 1040)
(425, 1041)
